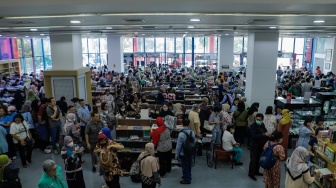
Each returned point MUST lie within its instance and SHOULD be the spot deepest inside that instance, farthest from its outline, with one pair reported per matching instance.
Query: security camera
(234, 27)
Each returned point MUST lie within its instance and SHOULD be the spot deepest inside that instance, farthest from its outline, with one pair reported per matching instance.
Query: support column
(225, 52)
(68, 77)
(115, 53)
(261, 67)
(66, 52)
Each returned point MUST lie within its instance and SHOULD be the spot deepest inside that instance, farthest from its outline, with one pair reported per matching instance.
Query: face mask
(123, 109)
(258, 122)
(71, 144)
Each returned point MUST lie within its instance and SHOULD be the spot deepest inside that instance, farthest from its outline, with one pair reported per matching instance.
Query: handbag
(207, 126)
(28, 141)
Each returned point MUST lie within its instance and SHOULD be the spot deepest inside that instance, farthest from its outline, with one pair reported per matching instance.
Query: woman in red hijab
(162, 140)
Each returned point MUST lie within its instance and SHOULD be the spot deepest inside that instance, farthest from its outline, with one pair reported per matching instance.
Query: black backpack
(189, 146)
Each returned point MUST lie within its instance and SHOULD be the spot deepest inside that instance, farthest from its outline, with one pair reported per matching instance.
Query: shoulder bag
(28, 141)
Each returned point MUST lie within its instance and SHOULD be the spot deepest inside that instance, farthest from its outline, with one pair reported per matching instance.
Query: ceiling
(166, 18)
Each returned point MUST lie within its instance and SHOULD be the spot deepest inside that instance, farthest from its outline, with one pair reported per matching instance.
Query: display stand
(9, 67)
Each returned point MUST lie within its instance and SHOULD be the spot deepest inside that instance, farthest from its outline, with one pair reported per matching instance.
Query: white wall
(225, 55)
(329, 44)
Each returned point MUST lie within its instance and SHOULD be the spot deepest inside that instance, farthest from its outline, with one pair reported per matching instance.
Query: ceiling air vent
(133, 20)
(259, 21)
(21, 23)
(149, 27)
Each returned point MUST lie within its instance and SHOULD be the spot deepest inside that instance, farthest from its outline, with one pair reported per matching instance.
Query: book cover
(329, 154)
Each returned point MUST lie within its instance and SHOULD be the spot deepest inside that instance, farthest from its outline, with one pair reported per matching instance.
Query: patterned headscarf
(296, 165)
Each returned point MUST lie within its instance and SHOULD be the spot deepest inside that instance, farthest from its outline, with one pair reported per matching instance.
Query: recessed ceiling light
(143, 34)
(219, 35)
(272, 27)
(33, 29)
(27, 36)
(14, 37)
(75, 22)
(195, 20)
(42, 34)
(109, 28)
(319, 21)
(191, 27)
(226, 34)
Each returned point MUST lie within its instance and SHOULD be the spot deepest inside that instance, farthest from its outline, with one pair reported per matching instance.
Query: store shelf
(138, 150)
(323, 157)
(318, 184)
(133, 128)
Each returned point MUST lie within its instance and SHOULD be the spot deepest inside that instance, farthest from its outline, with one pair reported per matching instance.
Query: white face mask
(71, 144)
(123, 109)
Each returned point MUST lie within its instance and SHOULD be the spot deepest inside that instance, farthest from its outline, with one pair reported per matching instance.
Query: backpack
(268, 159)
(189, 146)
(135, 170)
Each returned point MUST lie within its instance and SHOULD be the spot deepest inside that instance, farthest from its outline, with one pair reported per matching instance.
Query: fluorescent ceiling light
(75, 22)
(0, 35)
(272, 27)
(109, 28)
(226, 34)
(27, 36)
(184, 35)
(319, 21)
(49, 16)
(42, 34)
(195, 20)
(143, 34)
(33, 29)
(191, 27)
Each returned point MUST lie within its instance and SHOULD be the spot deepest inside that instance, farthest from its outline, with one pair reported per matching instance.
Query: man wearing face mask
(72, 155)
(258, 138)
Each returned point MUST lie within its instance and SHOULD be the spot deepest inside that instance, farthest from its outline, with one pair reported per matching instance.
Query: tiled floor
(202, 175)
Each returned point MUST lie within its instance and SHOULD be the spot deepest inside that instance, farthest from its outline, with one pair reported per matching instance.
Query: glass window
(179, 45)
(103, 45)
(86, 60)
(288, 45)
(245, 44)
(128, 44)
(38, 63)
(188, 44)
(210, 44)
(320, 45)
(37, 45)
(46, 46)
(149, 44)
(299, 61)
(93, 44)
(85, 45)
(237, 45)
(299, 45)
(236, 60)
(5, 48)
(103, 58)
(15, 48)
(29, 65)
(279, 44)
(27, 48)
(170, 45)
(188, 60)
(48, 62)
(141, 44)
(160, 44)
(199, 44)
(19, 43)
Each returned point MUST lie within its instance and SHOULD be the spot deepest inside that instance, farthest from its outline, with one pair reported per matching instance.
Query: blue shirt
(181, 140)
(3, 141)
(192, 86)
(5, 120)
(29, 119)
(85, 114)
(304, 136)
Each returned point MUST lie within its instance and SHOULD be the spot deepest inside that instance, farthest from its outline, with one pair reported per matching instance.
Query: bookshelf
(325, 161)
(8, 67)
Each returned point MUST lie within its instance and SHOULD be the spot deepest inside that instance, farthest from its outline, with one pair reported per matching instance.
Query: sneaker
(185, 182)
(55, 152)
(14, 157)
(47, 151)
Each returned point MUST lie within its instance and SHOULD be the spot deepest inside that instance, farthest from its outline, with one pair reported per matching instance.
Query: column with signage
(225, 53)
(261, 67)
(115, 56)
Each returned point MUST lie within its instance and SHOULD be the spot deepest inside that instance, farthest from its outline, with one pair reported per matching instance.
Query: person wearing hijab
(107, 132)
(72, 155)
(284, 126)
(226, 118)
(108, 159)
(72, 128)
(9, 173)
(165, 111)
(297, 171)
(162, 140)
(149, 168)
(272, 176)
(31, 95)
(240, 122)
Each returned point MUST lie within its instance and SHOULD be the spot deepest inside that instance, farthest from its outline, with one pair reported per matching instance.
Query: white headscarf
(296, 165)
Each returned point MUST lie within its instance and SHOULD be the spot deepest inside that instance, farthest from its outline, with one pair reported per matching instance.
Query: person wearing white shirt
(230, 144)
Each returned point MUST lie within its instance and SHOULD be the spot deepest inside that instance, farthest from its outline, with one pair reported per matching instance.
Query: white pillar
(261, 67)
(66, 52)
(225, 52)
(115, 53)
